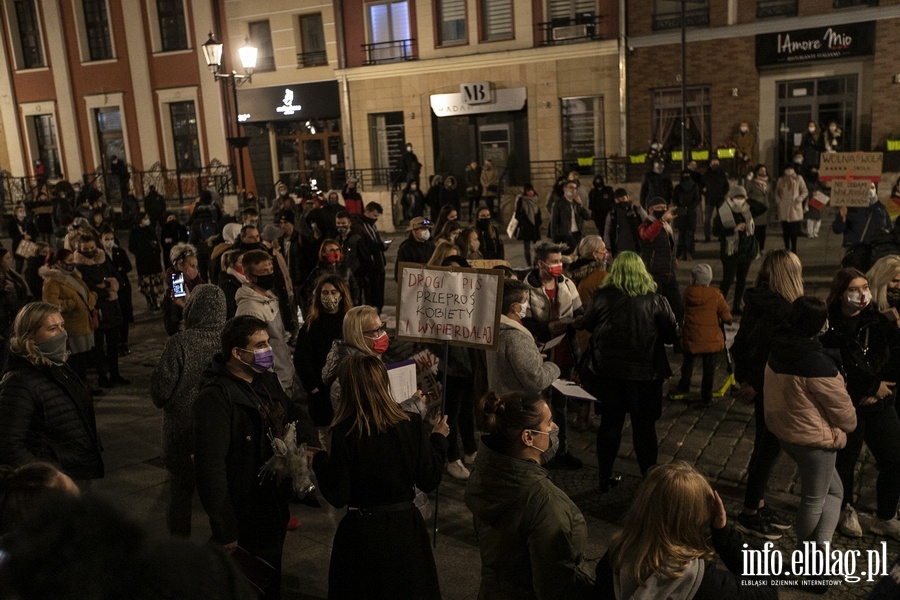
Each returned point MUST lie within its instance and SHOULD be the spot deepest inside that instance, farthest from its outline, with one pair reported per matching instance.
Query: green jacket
(531, 534)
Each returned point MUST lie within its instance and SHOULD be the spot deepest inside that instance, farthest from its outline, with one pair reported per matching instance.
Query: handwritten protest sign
(449, 304)
(850, 165)
(850, 193)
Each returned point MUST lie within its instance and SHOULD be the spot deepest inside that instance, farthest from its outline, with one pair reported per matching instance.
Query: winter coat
(414, 251)
(75, 304)
(629, 334)
(490, 179)
(621, 229)
(144, 244)
(655, 185)
(714, 584)
(861, 224)
(561, 218)
(705, 310)
(790, 194)
(491, 246)
(230, 284)
(601, 200)
(528, 231)
(264, 306)
(687, 198)
(336, 355)
(47, 413)
(101, 277)
(122, 267)
(765, 310)
(30, 273)
(715, 186)
(531, 535)
(657, 247)
(18, 230)
(313, 345)
(760, 197)
(806, 401)
(14, 294)
(178, 375)
(745, 143)
(746, 246)
(516, 365)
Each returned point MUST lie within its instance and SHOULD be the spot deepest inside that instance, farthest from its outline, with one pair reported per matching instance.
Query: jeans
(734, 270)
(879, 428)
(709, 369)
(821, 492)
(642, 401)
(667, 285)
(460, 417)
(766, 449)
(687, 227)
(789, 232)
(527, 245)
(760, 234)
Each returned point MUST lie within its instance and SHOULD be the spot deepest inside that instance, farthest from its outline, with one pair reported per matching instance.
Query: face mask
(569, 194)
(145, 222)
(893, 297)
(68, 267)
(266, 282)
(812, 129)
(873, 197)
(523, 309)
(109, 244)
(484, 223)
(739, 202)
(743, 130)
(263, 359)
(453, 237)
(342, 230)
(54, 349)
(658, 169)
(548, 454)
(530, 194)
(425, 235)
(858, 300)
(409, 148)
(798, 161)
(824, 328)
(381, 344)
(413, 187)
(331, 303)
(283, 192)
(333, 257)
(555, 270)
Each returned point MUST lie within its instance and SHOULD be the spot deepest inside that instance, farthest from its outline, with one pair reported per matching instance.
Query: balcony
(583, 28)
(312, 59)
(388, 52)
(850, 3)
(695, 17)
(766, 9)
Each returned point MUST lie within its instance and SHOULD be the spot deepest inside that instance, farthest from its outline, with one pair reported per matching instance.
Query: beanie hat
(701, 274)
(621, 192)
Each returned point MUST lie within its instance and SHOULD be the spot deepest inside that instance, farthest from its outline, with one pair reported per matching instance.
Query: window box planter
(638, 159)
(893, 145)
(700, 154)
(725, 152)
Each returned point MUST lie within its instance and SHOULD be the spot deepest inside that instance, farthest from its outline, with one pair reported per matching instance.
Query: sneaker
(610, 483)
(457, 470)
(566, 460)
(757, 526)
(889, 528)
(774, 519)
(849, 523)
(469, 459)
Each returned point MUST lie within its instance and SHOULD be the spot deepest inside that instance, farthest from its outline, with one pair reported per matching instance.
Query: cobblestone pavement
(717, 439)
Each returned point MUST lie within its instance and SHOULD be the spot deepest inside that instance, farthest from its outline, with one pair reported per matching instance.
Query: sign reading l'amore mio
(449, 304)
(819, 43)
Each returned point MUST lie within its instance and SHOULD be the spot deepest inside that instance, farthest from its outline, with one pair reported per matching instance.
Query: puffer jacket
(265, 307)
(705, 310)
(567, 299)
(178, 375)
(47, 413)
(75, 303)
(629, 334)
(516, 364)
(806, 403)
(531, 534)
(657, 247)
(764, 312)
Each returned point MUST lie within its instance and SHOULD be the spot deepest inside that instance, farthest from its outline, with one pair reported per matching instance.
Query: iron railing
(582, 28)
(312, 59)
(694, 17)
(387, 52)
(849, 3)
(776, 8)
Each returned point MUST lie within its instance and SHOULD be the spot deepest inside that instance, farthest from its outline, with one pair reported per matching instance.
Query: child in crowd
(705, 311)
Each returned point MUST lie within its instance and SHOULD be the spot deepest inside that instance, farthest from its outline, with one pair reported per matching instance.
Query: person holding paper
(858, 224)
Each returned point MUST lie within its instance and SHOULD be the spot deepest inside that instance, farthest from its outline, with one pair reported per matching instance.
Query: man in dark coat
(373, 261)
(714, 187)
(656, 184)
(299, 253)
(155, 206)
(621, 230)
(417, 248)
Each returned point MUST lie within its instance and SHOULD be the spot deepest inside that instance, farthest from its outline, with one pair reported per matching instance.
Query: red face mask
(333, 257)
(555, 270)
(381, 344)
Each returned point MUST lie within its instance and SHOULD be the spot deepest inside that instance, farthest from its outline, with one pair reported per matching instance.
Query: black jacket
(600, 201)
(655, 185)
(17, 231)
(373, 245)
(765, 311)
(144, 244)
(46, 413)
(628, 334)
(623, 217)
(414, 251)
(528, 231)
(715, 186)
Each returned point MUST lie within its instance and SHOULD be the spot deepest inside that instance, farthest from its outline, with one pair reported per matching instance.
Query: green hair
(629, 274)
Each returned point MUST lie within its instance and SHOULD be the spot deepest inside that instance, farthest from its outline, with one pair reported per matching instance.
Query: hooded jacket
(516, 364)
(807, 403)
(705, 310)
(265, 307)
(531, 534)
(178, 375)
(764, 312)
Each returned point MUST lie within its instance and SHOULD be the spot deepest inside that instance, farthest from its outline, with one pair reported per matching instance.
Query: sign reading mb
(476, 93)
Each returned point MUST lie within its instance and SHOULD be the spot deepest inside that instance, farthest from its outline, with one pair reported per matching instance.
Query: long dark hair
(839, 285)
(315, 303)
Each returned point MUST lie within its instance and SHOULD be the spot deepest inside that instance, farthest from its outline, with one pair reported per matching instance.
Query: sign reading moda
(820, 43)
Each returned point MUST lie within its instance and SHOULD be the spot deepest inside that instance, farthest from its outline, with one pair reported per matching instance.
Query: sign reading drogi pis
(449, 304)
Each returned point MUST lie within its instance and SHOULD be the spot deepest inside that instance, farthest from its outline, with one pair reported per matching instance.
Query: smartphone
(387, 243)
(178, 289)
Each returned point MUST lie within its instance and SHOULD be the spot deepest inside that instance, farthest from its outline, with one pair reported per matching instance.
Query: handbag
(26, 249)
(95, 319)
(258, 573)
(512, 227)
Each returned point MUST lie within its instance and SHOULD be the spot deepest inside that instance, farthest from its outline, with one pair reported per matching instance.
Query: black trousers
(642, 401)
(790, 231)
(766, 450)
(460, 410)
(106, 348)
(373, 286)
(734, 271)
(709, 369)
(760, 234)
(667, 285)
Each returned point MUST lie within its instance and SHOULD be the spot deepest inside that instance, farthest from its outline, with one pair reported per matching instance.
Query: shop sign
(450, 105)
(317, 100)
(820, 43)
(476, 93)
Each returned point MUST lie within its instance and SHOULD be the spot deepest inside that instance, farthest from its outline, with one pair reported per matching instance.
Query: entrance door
(820, 100)
(494, 141)
(311, 150)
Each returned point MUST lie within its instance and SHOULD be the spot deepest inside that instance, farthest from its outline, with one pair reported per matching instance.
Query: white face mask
(425, 235)
(523, 310)
(858, 300)
(812, 129)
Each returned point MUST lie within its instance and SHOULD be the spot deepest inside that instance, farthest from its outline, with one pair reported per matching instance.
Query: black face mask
(266, 282)
(893, 297)
(484, 223)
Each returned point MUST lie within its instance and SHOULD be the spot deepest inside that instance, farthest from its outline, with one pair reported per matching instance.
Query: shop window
(582, 129)
(172, 30)
(312, 42)
(497, 20)
(184, 135)
(96, 26)
(776, 8)
(452, 22)
(28, 49)
(667, 14)
(261, 38)
(387, 137)
(667, 117)
(310, 150)
(390, 37)
(43, 142)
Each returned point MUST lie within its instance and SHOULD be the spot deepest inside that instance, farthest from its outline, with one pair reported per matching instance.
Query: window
(452, 22)
(96, 23)
(44, 143)
(582, 128)
(776, 8)
(846, 3)
(184, 135)
(570, 21)
(667, 117)
(497, 18)
(29, 53)
(667, 13)
(172, 32)
(570, 10)
(261, 37)
(312, 42)
(388, 139)
(389, 32)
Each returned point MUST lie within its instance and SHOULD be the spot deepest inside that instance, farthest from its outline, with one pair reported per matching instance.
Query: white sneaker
(849, 523)
(469, 459)
(457, 470)
(886, 528)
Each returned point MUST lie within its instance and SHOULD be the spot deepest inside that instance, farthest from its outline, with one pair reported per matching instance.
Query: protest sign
(449, 304)
(850, 193)
(850, 165)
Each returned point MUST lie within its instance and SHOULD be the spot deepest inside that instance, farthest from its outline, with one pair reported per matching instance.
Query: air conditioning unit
(569, 32)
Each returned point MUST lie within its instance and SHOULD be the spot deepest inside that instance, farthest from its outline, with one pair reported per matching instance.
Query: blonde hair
(25, 328)
(366, 398)
(355, 321)
(667, 525)
(441, 251)
(880, 275)
(782, 271)
(181, 251)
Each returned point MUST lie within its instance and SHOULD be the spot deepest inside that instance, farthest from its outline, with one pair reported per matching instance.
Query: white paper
(570, 389)
(552, 343)
(403, 380)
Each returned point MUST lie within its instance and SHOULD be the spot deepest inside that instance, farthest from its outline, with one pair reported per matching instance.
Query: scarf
(726, 214)
(529, 206)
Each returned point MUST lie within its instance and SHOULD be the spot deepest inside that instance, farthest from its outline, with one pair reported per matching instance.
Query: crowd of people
(273, 373)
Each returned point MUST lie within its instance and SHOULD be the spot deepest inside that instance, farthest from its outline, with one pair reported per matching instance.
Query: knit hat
(701, 274)
(621, 192)
(737, 191)
(286, 216)
(270, 233)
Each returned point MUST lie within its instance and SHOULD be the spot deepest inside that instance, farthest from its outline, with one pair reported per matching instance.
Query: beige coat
(790, 193)
(72, 296)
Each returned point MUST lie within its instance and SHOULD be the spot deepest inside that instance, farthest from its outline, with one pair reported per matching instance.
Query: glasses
(376, 333)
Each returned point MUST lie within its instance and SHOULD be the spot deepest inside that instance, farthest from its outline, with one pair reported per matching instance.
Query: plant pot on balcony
(700, 154)
(893, 145)
(676, 155)
(585, 161)
(725, 152)
(638, 159)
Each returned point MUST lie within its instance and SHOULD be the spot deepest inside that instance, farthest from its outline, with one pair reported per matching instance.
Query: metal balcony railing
(766, 9)
(694, 17)
(849, 3)
(582, 28)
(387, 52)
(312, 59)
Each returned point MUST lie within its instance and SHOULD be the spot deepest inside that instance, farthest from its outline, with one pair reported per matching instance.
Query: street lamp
(212, 52)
